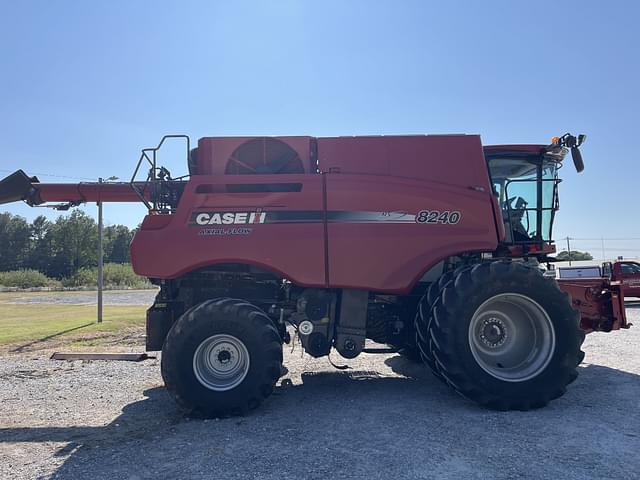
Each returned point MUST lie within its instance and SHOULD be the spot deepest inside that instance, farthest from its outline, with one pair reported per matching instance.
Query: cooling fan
(263, 156)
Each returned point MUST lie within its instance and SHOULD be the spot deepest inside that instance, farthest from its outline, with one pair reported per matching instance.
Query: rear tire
(221, 358)
(506, 337)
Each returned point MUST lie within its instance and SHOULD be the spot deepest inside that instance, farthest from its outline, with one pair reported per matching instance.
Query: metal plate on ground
(127, 357)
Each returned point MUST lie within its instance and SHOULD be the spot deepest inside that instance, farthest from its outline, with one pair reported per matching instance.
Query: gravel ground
(383, 418)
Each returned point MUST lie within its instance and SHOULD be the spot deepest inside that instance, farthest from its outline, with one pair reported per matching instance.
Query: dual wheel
(500, 334)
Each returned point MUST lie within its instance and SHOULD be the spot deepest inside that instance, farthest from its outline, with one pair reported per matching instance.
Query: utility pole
(603, 254)
(100, 252)
(100, 255)
(569, 250)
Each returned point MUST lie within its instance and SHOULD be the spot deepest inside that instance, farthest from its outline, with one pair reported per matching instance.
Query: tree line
(574, 255)
(59, 248)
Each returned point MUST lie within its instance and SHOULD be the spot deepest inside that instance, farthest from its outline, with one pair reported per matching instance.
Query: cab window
(630, 268)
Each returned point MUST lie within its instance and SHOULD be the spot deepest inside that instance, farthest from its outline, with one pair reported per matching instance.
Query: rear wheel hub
(494, 332)
(511, 337)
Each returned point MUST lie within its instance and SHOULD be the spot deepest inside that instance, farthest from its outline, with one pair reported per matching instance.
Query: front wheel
(424, 317)
(222, 357)
(506, 337)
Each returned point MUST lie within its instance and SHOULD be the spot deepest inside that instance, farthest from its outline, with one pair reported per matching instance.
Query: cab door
(630, 276)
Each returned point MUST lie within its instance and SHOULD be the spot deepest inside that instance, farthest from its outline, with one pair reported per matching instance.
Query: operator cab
(525, 182)
(526, 188)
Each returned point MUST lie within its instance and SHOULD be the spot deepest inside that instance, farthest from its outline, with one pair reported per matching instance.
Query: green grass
(31, 325)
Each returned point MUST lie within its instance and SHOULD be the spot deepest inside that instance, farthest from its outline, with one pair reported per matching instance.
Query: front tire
(424, 316)
(221, 358)
(506, 337)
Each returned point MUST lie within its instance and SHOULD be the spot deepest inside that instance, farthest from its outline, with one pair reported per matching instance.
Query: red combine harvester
(428, 244)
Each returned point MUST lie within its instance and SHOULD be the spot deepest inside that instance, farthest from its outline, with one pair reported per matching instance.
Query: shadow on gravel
(22, 348)
(348, 424)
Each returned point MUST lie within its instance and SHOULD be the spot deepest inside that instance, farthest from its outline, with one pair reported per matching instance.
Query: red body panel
(449, 159)
(391, 253)
(295, 251)
(342, 229)
(397, 177)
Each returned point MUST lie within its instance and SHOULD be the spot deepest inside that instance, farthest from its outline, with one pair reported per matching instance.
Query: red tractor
(428, 244)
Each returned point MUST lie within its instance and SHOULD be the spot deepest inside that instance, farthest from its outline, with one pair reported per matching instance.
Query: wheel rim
(511, 337)
(221, 362)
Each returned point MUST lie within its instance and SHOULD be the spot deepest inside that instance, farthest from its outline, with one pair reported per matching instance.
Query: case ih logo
(228, 218)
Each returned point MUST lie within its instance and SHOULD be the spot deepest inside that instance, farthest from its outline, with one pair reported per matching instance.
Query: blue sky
(85, 85)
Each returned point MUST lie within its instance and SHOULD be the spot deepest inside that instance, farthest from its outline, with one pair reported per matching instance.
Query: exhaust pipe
(18, 186)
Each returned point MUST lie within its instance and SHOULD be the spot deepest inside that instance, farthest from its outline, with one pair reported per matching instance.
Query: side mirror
(581, 139)
(571, 142)
(577, 159)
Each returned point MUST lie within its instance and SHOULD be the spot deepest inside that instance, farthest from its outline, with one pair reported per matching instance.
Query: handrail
(153, 179)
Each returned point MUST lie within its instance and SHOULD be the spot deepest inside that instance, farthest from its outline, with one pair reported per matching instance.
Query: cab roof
(520, 148)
